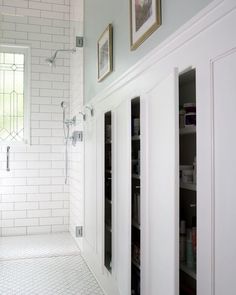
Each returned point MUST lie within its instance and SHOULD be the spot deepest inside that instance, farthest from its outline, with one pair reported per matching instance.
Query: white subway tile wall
(33, 197)
(76, 104)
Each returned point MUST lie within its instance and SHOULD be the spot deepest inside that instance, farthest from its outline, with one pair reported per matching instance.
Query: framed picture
(105, 51)
(145, 18)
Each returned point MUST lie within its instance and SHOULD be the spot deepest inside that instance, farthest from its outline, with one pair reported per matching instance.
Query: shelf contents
(136, 254)
(136, 208)
(136, 126)
(108, 192)
(188, 245)
(187, 115)
(188, 176)
(188, 184)
(135, 197)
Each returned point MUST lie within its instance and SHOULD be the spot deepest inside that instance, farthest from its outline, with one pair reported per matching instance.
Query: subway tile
(40, 5)
(6, 223)
(60, 212)
(54, 1)
(41, 116)
(8, 26)
(13, 181)
(39, 197)
(40, 21)
(38, 181)
(27, 28)
(60, 197)
(26, 173)
(7, 206)
(41, 132)
(51, 77)
(39, 213)
(31, 230)
(14, 214)
(61, 23)
(51, 220)
(51, 189)
(52, 15)
(39, 164)
(61, 8)
(52, 30)
(28, 189)
(26, 156)
(14, 231)
(51, 92)
(26, 222)
(39, 36)
(26, 206)
(51, 172)
(13, 198)
(14, 34)
(51, 205)
(15, 19)
(16, 3)
(27, 12)
(60, 228)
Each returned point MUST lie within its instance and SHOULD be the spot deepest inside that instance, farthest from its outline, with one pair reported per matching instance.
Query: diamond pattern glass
(11, 97)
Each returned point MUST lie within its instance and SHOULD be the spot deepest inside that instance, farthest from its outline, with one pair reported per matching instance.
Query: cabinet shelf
(187, 130)
(108, 171)
(108, 228)
(188, 271)
(135, 224)
(136, 137)
(136, 176)
(136, 264)
(108, 201)
(188, 186)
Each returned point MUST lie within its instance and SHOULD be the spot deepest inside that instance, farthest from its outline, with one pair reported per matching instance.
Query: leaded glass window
(12, 73)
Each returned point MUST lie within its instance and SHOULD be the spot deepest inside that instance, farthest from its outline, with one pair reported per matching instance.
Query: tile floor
(44, 265)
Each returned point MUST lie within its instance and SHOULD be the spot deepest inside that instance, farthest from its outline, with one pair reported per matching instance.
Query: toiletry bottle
(194, 240)
(182, 241)
(189, 250)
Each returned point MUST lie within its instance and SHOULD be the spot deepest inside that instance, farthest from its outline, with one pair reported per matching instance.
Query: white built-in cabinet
(207, 46)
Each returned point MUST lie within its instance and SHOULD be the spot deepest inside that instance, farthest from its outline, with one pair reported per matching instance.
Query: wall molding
(190, 30)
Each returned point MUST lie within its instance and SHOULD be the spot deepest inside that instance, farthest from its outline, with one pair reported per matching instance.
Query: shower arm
(63, 50)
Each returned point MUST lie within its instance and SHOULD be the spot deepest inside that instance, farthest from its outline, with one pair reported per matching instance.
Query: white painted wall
(203, 39)
(33, 197)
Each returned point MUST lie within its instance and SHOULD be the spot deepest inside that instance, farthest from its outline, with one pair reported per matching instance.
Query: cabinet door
(90, 185)
(224, 73)
(162, 186)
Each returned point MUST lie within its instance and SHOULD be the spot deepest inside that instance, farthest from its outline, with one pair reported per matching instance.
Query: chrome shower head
(51, 60)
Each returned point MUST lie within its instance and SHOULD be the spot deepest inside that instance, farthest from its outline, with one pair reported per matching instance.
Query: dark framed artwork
(105, 53)
(145, 18)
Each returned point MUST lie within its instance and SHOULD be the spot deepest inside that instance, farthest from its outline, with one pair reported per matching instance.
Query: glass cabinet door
(135, 197)
(108, 191)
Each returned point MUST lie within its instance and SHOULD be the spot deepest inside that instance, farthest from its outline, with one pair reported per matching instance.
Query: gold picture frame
(145, 18)
(105, 53)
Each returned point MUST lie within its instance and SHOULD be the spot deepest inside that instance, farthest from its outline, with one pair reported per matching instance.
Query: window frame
(27, 78)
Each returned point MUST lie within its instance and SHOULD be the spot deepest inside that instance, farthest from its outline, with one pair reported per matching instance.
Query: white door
(122, 206)
(162, 146)
(224, 77)
(90, 231)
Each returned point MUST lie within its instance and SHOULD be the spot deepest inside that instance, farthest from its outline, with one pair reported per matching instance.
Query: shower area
(41, 148)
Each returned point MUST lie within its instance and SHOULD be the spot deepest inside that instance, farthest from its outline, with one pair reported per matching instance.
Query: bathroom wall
(33, 196)
(76, 105)
(98, 14)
